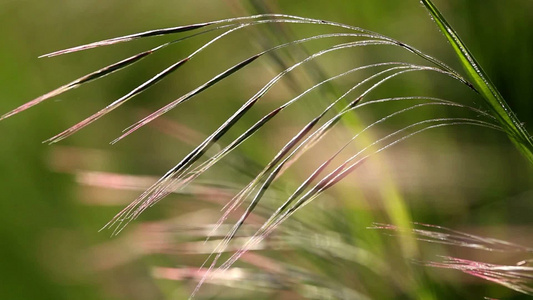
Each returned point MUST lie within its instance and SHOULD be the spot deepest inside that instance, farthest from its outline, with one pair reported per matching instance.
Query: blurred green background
(465, 178)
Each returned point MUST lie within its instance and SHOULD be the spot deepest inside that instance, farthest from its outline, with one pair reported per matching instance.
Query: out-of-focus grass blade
(518, 278)
(446, 236)
(514, 129)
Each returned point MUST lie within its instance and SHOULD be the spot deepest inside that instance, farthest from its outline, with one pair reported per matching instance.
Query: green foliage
(494, 100)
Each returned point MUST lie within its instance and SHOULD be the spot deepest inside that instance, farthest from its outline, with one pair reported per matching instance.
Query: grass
(493, 99)
(338, 113)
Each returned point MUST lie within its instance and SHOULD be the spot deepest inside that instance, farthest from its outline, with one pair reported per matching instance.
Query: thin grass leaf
(494, 100)
(446, 236)
(518, 278)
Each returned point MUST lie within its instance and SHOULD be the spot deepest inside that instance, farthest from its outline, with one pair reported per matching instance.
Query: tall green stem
(501, 110)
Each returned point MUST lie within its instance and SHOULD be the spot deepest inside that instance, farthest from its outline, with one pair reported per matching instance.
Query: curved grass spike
(328, 181)
(335, 176)
(234, 22)
(229, 72)
(339, 173)
(181, 179)
(494, 100)
(324, 128)
(186, 177)
(310, 142)
(316, 135)
(102, 72)
(160, 188)
(158, 32)
(158, 77)
(274, 174)
(221, 76)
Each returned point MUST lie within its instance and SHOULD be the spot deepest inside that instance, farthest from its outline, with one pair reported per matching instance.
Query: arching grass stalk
(168, 181)
(298, 201)
(284, 212)
(190, 167)
(182, 179)
(493, 99)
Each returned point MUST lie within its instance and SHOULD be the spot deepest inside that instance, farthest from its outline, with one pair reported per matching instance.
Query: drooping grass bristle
(330, 171)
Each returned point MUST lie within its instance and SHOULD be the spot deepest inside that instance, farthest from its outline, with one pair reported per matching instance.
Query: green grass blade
(513, 127)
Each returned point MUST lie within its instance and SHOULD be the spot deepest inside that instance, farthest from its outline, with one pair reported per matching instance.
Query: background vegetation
(53, 202)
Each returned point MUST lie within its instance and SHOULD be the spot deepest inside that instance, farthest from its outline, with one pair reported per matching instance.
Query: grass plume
(330, 171)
